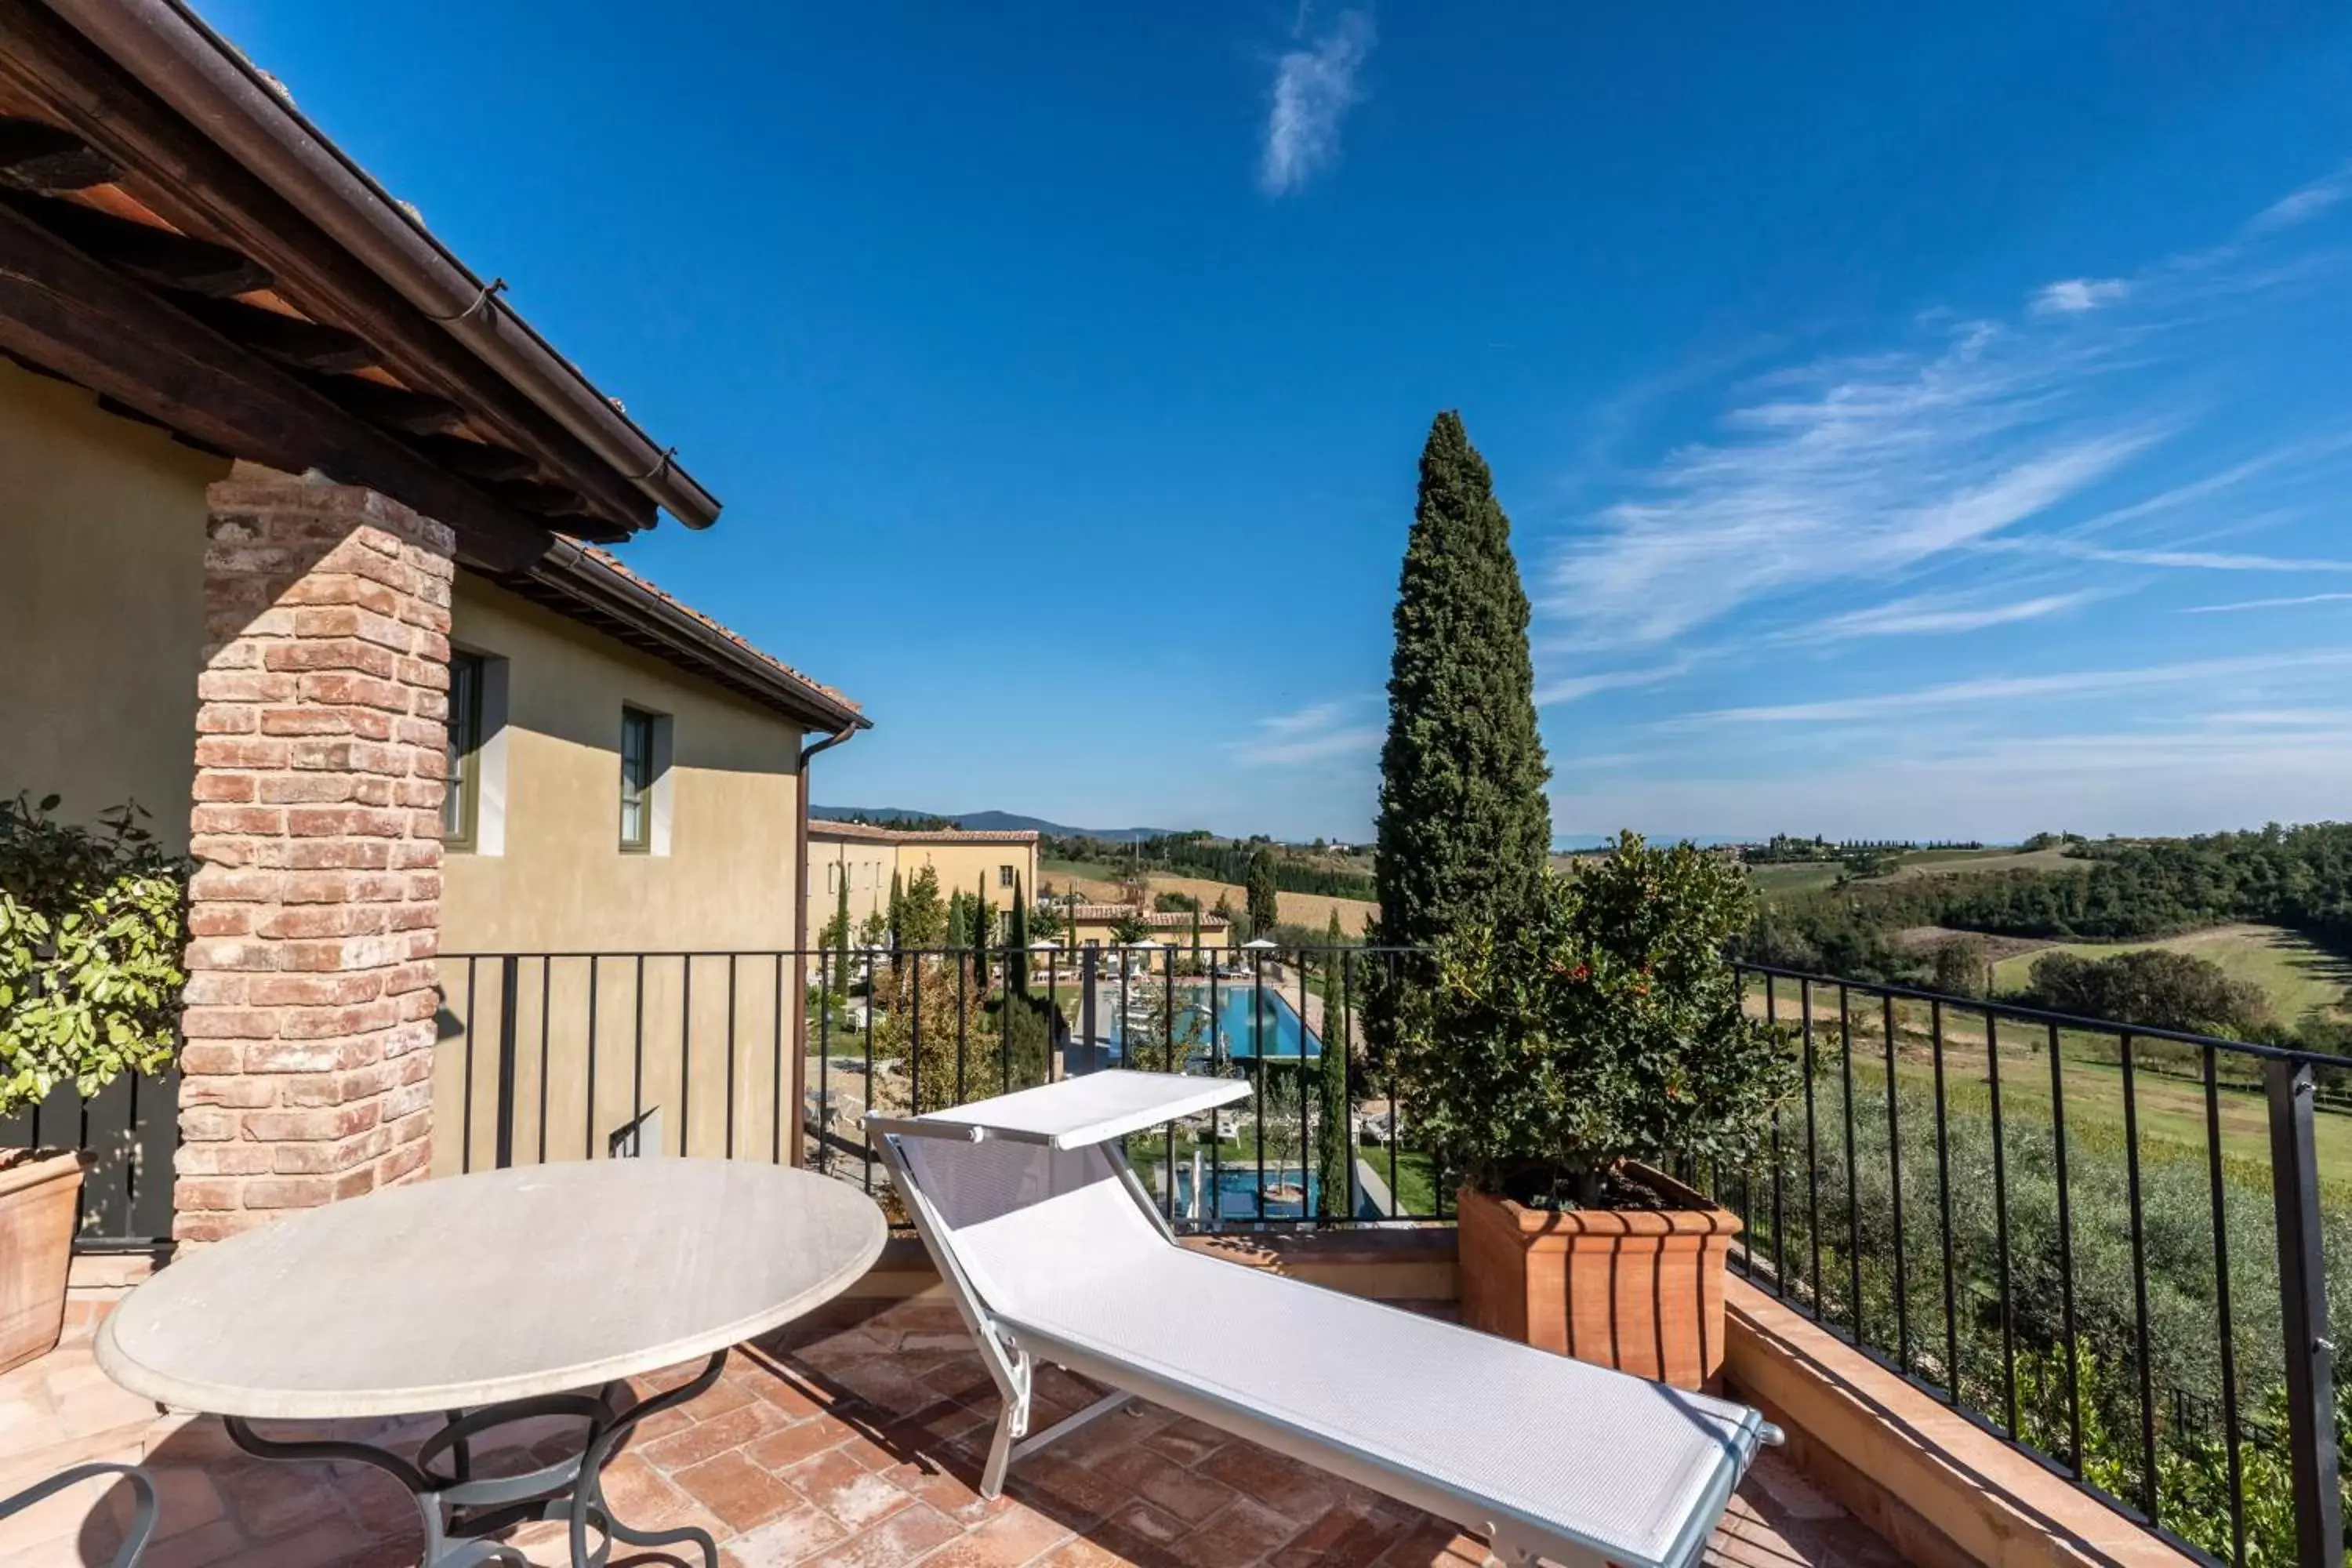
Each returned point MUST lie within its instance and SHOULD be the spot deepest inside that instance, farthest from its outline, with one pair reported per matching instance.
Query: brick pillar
(321, 745)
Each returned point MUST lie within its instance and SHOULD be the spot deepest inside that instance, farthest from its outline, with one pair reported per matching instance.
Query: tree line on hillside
(1217, 860)
(2298, 877)
(2295, 876)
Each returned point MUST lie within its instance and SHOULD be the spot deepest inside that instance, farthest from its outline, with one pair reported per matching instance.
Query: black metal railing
(571, 1054)
(2107, 1245)
(130, 1130)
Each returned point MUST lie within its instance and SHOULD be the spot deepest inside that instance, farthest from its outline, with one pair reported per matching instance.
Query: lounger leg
(1012, 1422)
(999, 1457)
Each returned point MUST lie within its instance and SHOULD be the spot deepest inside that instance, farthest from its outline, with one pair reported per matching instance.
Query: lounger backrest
(1023, 1218)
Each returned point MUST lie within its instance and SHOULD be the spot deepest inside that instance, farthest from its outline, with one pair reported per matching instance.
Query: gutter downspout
(800, 940)
(175, 56)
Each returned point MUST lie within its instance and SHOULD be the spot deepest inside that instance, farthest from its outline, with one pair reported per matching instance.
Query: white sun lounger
(1053, 1252)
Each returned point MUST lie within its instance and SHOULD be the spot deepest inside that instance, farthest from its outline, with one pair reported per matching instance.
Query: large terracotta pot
(39, 1197)
(1638, 1290)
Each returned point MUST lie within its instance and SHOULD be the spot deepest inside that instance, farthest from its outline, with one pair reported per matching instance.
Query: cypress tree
(841, 921)
(1264, 907)
(1016, 962)
(1465, 827)
(980, 935)
(1334, 1151)
(897, 907)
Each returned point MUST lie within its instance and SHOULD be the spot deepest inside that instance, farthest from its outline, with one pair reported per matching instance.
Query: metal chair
(143, 1508)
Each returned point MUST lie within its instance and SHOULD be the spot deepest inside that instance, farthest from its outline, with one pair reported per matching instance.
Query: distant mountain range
(988, 822)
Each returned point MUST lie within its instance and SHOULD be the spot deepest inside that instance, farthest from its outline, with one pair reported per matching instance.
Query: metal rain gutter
(171, 50)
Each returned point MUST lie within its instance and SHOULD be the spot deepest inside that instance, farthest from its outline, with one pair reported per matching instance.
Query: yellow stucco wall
(101, 604)
(869, 864)
(562, 881)
(1099, 932)
(962, 868)
(698, 1040)
(864, 865)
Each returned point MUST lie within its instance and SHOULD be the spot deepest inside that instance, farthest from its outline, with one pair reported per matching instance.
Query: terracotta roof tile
(1111, 914)
(612, 563)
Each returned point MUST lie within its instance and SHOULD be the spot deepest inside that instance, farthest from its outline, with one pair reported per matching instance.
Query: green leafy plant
(93, 924)
(1602, 1026)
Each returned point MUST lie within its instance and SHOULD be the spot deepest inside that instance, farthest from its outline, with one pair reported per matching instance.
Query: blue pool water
(1236, 1190)
(1253, 1023)
(1249, 1022)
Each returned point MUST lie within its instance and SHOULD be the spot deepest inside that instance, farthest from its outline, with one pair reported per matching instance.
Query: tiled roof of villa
(1160, 919)
(607, 559)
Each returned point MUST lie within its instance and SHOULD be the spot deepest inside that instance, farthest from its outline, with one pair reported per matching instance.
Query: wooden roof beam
(39, 157)
(155, 255)
(65, 310)
(289, 340)
(195, 185)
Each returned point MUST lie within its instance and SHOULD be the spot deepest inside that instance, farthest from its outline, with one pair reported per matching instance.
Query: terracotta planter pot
(39, 1198)
(1638, 1290)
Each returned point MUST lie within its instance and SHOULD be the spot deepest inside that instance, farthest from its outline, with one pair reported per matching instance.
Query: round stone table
(490, 1298)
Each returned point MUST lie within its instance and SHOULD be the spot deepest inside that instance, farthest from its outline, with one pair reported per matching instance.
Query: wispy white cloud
(1318, 733)
(1848, 468)
(1571, 688)
(1920, 615)
(2334, 719)
(2288, 603)
(2188, 559)
(2301, 206)
(1314, 87)
(2072, 296)
(1973, 435)
(2017, 689)
(2210, 777)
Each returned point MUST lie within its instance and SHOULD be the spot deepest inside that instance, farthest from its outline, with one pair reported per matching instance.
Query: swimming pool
(1246, 1017)
(1251, 1023)
(1236, 1190)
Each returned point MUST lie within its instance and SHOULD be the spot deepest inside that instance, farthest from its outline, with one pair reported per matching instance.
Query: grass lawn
(1416, 1190)
(2293, 973)
(1088, 870)
(1787, 878)
(1794, 876)
(1965, 862)
(2171, 1109)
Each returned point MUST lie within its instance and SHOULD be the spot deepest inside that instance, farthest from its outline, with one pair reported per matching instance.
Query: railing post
(2303, 1317)
(509, 976)
(1083, 1058)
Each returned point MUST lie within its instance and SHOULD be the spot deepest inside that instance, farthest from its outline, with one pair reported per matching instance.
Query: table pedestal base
(459, 1511)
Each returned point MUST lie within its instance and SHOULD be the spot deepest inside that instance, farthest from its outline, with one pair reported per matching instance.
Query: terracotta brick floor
(852, 1439)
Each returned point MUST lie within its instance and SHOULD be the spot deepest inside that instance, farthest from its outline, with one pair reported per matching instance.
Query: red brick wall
(321, 749)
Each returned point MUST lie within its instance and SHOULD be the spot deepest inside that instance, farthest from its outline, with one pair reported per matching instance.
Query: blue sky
(1914, 421)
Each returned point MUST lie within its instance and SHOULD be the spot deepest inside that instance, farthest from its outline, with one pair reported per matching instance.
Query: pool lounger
(1053, 1252)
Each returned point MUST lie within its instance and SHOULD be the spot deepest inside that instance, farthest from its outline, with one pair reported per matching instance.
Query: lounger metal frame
(1011, 1351)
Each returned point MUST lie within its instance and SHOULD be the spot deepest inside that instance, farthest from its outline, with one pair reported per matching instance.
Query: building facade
(300, 521)
(865, 858)
(1097, 925)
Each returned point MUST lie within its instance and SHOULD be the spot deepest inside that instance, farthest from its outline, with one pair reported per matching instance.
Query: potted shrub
(92, 929)
(1561, 1061)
